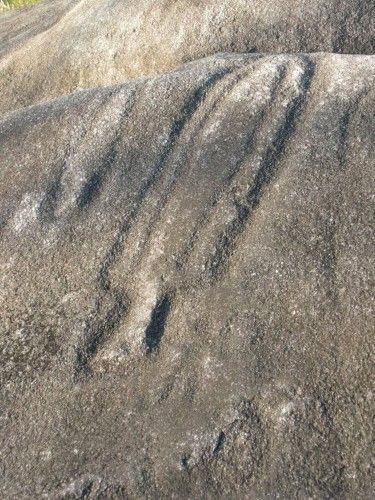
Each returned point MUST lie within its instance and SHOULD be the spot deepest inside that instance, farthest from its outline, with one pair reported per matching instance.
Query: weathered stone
(63, 45)
(186, 266)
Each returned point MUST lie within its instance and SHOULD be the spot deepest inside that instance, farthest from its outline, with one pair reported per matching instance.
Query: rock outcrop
(60, 46)
(186, 268)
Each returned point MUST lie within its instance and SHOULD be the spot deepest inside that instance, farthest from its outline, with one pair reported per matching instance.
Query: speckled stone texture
(186, 269)
(63, 45)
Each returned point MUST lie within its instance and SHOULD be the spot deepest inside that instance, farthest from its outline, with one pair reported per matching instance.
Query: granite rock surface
(59, 46)
(186, 280)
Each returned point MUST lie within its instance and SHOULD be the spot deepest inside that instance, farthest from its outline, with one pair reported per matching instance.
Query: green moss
(12, 4)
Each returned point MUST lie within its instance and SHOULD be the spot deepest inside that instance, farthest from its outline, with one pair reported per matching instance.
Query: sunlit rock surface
(186, 268)
(59, 46)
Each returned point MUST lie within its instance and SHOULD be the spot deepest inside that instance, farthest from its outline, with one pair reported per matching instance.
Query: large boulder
(186, 268)
(59, 46)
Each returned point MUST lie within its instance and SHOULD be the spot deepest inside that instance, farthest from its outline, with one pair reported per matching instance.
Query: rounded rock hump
(186, 257)
(59, 46)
